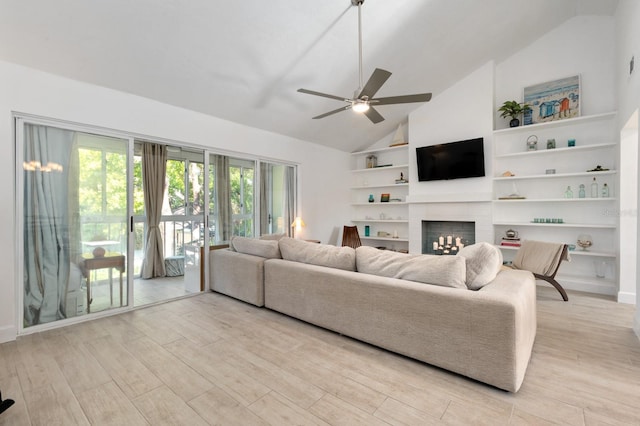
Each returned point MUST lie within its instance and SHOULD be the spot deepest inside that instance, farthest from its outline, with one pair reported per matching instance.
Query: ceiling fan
(363, 99)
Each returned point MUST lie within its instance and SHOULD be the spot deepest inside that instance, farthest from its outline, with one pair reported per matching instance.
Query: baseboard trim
(8, 334)
(625, 297)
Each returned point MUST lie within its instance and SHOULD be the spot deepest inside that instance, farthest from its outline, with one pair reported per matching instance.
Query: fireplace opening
(446, 237)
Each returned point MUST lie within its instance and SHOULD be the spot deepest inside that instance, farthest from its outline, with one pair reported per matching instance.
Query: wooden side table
(89, 262)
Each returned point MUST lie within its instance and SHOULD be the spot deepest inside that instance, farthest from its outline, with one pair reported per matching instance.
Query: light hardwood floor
(210, 359)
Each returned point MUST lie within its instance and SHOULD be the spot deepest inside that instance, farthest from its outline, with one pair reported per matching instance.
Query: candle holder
(448, 245)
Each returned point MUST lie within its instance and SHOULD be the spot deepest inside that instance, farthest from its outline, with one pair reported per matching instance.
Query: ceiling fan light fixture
(360, 106)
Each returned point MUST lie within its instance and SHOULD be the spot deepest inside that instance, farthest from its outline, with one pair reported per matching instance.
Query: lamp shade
(297, 223)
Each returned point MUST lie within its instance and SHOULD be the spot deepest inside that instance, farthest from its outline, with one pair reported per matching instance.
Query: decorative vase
(371, 199)
(514, 122)
(532, 143)
(372, 161)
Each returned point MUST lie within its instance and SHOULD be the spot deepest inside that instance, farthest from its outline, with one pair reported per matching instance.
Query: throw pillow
(318, 254)
(447, 271)
(263, 248)
(484, 261)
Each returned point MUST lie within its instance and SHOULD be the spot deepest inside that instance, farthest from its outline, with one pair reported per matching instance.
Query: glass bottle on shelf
(594, 189)
(568, 193)
(605, 191)
(581, 192)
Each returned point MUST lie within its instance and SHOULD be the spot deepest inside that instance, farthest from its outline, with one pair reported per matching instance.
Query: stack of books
(510, 242)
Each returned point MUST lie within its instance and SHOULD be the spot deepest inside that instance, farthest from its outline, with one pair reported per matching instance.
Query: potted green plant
(513, 109)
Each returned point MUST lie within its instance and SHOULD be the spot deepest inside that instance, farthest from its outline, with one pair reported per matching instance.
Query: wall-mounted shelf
(381, 150)
(556, 175)
(559, 225)
(377, 169)
(555, 200)
(391, 185)
(556, 151)
(378, 203)
(576, 252)
(404, 240)
(556, 124)
(381, 220)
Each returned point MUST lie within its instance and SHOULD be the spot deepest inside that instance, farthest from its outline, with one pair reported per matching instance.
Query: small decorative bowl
(584, 241)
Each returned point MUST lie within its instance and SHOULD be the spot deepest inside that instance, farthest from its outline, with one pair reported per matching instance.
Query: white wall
(322, 171)
(628, 90)
(463, 111)
(582, 45)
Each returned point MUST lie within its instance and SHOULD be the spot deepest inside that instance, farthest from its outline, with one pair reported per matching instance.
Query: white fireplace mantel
(471, 197)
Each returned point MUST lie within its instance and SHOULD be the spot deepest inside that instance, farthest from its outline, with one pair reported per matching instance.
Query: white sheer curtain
(154, 170)
(50, 205)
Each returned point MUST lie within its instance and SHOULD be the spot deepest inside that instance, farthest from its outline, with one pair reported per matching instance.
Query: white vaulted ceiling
(244, 60)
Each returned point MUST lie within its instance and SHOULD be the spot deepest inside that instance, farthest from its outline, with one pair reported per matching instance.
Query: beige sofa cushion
(318, 254)
(264, 248)
(448, 271)
(276, 237)
(483, 261)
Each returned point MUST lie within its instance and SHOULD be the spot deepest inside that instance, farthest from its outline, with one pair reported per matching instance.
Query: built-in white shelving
(544, 176)
(377, 181)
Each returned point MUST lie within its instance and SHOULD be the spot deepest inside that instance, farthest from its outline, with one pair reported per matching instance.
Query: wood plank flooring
(210, 359)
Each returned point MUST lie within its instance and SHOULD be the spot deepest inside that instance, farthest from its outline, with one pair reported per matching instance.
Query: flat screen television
(453, 160)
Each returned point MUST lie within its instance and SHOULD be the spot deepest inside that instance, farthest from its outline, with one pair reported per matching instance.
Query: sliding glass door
(169, 205)
(107, 222)
(74, 223)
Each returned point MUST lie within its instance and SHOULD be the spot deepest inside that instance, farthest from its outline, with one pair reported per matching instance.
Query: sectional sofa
(462, 313)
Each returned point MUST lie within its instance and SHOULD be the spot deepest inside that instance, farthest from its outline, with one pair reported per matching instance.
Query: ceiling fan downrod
(360, 81)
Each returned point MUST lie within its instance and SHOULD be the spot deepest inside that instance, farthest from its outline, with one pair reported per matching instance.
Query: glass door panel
(178, 224)
(277, 198)
(74, 223)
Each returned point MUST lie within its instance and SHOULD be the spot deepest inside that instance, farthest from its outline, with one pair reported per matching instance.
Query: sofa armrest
(237, 275)
(511, 311)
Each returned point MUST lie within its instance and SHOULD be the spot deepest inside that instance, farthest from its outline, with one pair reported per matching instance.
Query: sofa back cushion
(276, 237)
(448, 271)
(483, 261)
(318, 254)
(264, 248)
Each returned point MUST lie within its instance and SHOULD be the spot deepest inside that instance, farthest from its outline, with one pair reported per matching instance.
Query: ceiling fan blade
(344, 108)
(373, 115)
(406, 99)
(324, 95)
(374, 83)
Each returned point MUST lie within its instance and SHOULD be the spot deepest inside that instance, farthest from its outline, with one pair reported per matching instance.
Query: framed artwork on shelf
(553, 100)
(384, 198)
